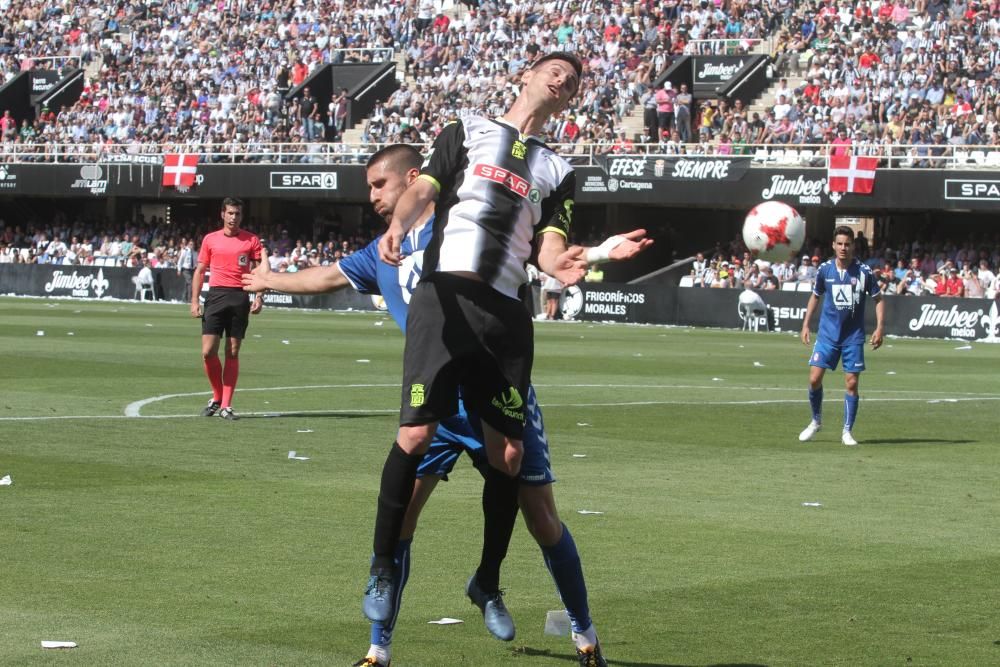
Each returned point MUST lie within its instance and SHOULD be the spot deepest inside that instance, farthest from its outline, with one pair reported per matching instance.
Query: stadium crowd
(970, 268)
(79, 243)
(923, 73)
(911, 72)
(164, 76)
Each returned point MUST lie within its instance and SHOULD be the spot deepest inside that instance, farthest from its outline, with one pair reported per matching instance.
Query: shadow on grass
(332, 414)
(917, 441)
(528, 651)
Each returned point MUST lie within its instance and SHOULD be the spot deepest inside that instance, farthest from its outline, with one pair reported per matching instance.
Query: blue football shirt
(370, 275)
(842, 318)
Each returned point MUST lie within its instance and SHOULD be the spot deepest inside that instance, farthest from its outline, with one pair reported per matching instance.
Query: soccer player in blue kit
(844, 284)
(390, 171)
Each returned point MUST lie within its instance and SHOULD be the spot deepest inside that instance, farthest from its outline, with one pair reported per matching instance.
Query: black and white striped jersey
(497, 191)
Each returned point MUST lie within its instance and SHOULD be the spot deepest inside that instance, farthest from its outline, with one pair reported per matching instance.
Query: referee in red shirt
(228, 254)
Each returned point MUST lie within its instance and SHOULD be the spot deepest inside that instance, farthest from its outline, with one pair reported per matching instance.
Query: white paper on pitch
(53, 644)
(445, 621)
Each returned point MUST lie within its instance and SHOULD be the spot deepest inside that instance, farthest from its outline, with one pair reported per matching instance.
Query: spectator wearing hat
(665, 106)
(806, 272)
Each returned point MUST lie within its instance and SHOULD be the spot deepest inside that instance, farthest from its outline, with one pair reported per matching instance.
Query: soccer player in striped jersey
(844, 285)
(389, 173)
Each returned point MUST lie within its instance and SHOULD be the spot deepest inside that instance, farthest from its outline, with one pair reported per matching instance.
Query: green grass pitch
(169, 539)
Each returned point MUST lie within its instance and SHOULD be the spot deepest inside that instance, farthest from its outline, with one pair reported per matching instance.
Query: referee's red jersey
(228, 257)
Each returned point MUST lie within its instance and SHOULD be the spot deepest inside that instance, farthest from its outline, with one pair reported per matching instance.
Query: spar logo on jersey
(504, 177)
(243, 260)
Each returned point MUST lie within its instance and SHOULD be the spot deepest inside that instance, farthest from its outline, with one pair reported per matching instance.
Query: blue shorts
(463, 433)
(825, 355)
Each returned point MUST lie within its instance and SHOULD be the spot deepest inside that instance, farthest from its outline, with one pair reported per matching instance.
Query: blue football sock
(816, 403)
(564, 564)
(850, 410)
(382, 632)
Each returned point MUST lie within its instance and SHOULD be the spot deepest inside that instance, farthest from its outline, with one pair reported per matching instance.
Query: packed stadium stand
(920, 74)
(914, 82)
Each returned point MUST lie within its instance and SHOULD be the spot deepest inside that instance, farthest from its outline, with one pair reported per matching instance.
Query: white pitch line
(622, 404)
(132, 409)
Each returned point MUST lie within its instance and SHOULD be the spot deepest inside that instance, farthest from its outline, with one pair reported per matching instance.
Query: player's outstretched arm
(567, 265)
(619, 248)
(878, 335)
(316, 280)
(810, 309)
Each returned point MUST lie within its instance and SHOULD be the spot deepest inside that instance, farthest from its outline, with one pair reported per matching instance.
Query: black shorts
(462, 335)
(227, 310)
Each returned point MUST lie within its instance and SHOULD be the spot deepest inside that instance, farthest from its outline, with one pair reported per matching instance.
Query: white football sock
(381, 653)
(586, 638)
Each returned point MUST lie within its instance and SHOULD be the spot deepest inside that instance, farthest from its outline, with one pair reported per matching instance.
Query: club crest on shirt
(243, 260)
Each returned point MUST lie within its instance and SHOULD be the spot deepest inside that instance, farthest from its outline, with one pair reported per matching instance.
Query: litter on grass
(295, 457)
(557, 623)
(588, 512)
(812, 504)
(5, 480)
(53, 644)
(582, 424)
(757, 364)
(579, 456)
(445, 621)
(304, 430)
(964, 347)
(364, 361)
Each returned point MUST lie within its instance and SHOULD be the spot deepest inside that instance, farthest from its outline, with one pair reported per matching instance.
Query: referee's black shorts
(461, 333)
(227, 310)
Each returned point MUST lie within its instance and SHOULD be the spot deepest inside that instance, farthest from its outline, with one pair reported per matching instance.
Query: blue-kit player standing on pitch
(389, 172)
(844, 284)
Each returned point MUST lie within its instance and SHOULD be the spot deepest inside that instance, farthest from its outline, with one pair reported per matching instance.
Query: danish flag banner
(179, 170)
(850, 173)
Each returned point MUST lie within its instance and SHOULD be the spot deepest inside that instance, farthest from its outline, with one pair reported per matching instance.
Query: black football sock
(398, 477)
(499, 515)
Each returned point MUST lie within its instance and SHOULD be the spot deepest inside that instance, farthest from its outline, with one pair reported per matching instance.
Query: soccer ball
(773, 231)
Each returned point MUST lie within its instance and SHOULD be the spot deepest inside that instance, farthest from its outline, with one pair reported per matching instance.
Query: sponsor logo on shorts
(416, 395)
(510, 404)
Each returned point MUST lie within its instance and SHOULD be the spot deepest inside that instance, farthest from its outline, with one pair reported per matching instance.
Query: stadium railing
(895, 156)
(721, 47)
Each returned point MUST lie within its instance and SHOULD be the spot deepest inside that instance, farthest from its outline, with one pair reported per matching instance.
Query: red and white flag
(179, 169)
(850, 173)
